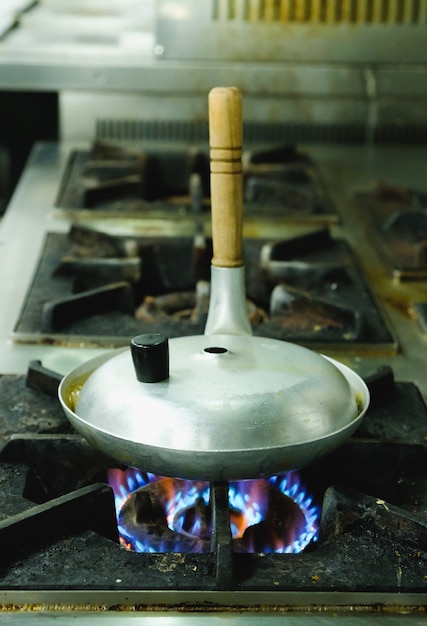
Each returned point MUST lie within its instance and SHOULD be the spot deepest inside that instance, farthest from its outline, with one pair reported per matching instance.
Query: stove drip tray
(58, 528)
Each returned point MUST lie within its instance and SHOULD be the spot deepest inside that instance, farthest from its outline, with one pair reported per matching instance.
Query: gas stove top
(60, 540)
(58, 505)
(346, 271)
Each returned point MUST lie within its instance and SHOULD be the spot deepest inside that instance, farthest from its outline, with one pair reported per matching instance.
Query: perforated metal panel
(322, 11)
(197, 132)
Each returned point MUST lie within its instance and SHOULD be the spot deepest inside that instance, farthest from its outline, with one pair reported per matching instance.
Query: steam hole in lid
(215, 350)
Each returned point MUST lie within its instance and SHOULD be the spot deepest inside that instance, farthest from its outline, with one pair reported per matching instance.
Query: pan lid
(223, 392)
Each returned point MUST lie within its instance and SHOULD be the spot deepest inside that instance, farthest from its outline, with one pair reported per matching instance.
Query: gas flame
(248, 504)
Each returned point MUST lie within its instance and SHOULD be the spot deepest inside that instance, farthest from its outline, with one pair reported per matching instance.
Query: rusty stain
(212, 608)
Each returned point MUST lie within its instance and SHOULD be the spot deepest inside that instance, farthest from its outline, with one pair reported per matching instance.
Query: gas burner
(127, 180)
(158, 514)
(398, 219)
(130, 180)
(99, 289)
(285, 178)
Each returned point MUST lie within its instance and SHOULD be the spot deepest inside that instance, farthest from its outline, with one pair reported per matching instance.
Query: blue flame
(244, 498)
(289, 484)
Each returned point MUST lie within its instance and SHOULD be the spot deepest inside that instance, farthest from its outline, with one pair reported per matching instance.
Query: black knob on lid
(150, 354)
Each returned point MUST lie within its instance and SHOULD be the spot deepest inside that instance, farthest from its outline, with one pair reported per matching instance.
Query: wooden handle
(225, 137)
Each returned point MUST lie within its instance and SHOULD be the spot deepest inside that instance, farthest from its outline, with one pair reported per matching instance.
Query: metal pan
(224, 405)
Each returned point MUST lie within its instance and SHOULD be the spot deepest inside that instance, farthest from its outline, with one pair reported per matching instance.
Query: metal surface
(340, 68)
(260, 408)
(10, 13)
(65, 618)
(227, 309)
(279, 31)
